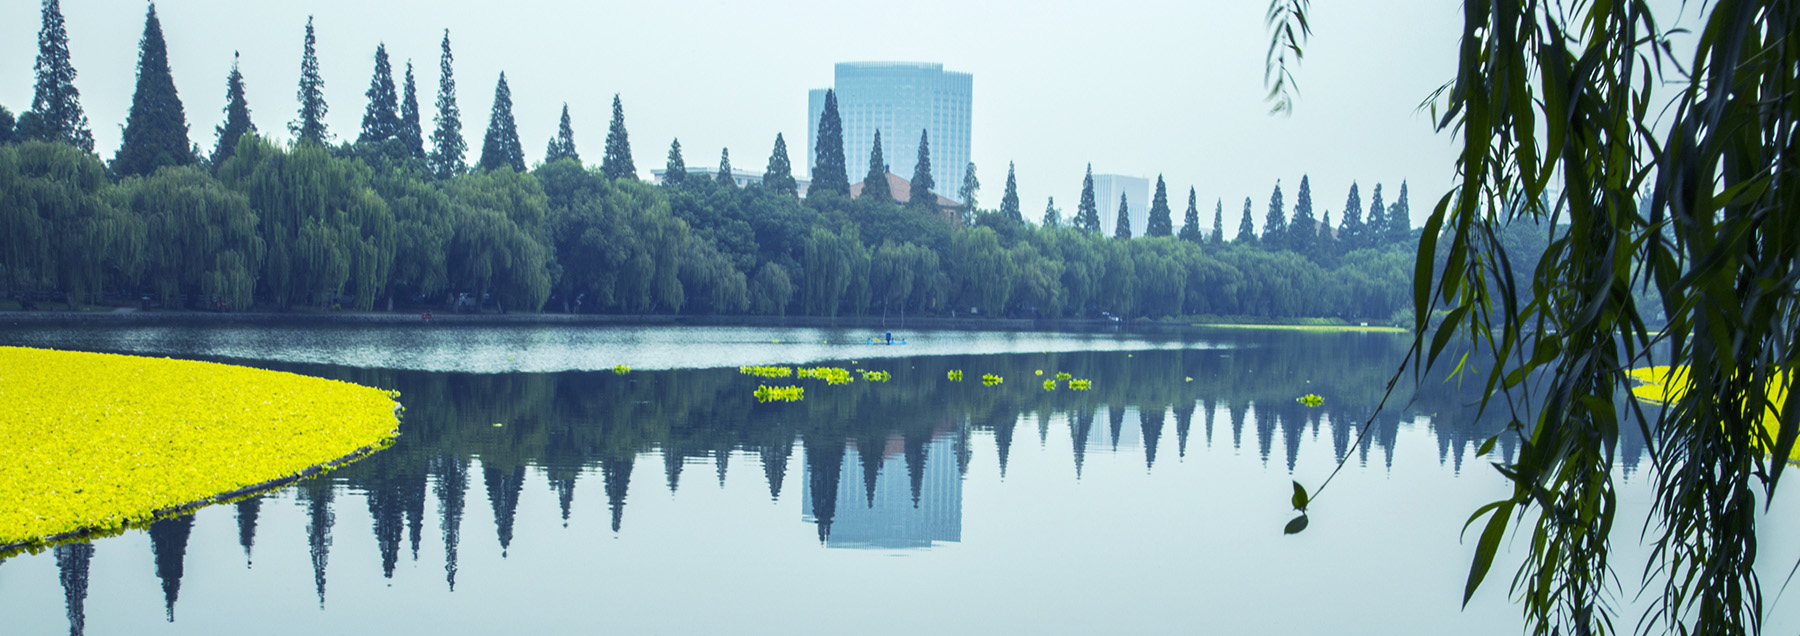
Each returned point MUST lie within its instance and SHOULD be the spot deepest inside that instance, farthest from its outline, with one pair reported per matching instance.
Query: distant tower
(1137, 199)
(900, 99)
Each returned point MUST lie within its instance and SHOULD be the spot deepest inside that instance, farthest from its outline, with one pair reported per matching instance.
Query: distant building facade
(1137, 201)
(892, 519)
(900, 99)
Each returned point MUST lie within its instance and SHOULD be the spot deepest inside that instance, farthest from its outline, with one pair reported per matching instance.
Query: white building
(900, 99)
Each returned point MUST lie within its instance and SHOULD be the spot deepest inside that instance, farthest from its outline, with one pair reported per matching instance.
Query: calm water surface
(534, 490)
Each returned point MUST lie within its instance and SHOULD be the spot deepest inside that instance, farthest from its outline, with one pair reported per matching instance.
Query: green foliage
(237, 117)
(447, 145)
(617, 162)
(771, 291)
(829, 171)
(201, 240)
(1217, 237)
(986, 269)
(618, 244)
(675, 171)
(6, 126)
(833, 264)
(1052, 215)
(1009, 201)
(1159, 223)
(1302, 232)
(424, 222)
(412, 131)
(55, 113)
(381, 119)
(1351, 232)
(906, 277)
(156, 130)
(779, 176)
(971, 186)
(500, 148)
(1398, 228)
(1087, 212)
(723, 175)
(1274, 235)
(1122, 220)
(60, 227)
(875, 184)
(562, 146)
(1190, 221)
(922, 185)
(502, 242)
(1374, 232)
(1246, 234)
(309, 124)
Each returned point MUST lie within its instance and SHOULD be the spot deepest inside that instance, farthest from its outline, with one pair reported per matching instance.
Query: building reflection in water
(911, 499)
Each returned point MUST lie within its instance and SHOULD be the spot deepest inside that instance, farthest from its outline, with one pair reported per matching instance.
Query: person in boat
(890, 337)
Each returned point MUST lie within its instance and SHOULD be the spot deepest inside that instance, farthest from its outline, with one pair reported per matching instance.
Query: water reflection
(882, 464)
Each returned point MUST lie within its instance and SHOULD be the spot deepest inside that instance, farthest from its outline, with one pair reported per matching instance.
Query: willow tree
(201, 239)
(1560, 111)
(326, 232)
(59, 228)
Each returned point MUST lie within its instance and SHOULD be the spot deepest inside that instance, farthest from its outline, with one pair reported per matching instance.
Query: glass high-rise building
(1108, 187)
(900, 99)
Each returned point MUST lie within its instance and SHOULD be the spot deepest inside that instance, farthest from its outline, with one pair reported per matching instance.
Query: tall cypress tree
(7, 126)
(1303, 229)
(1052, 216)
(55, 113)
(1350, 230)
(1218, 232)
(1274, 234)
(156, 131)
(1374, 234)
(971, 186)
(1190, 222)
(447, 145)
(1326, 245)
(1246, 234)
(562, 146)
(1087, 212)
(412, 131)
(875, 183)
(723, 175)
(381, 119)
(237, 117)
(617, 162)
(309, 126)
(675, 171)
(922, 184)
(1159, 223)
(1009, 201)
(500, 147)
(779, 176)
(828, 155)
(1122, 222)
(1399, 219)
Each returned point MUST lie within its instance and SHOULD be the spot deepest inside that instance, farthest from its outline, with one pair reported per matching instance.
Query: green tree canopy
(562, 146)
(723, 174)
(1009, 200)
(1190, 220)
(1274, 235)
(1246, 234)
(1160, 222)
(1218, 232)
(156, 130)
(59, 227)
(500, 148)
(779, 176)
(55, 113)
(412, 131)
(1087, 213)
(922, 185)
(1122, 221)
(309, 124)
(381, 119)
(448, 149)
(617, 162)
(1302, 232)
(1350, 230)
(829, 172)
(201, 239)
(875, 184)
(675, 171)
(237, 117)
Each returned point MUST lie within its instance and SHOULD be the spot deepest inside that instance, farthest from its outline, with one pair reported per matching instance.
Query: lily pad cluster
(991, 379)
(766, 393)
(1310, 399)
(955, 375)
(768, 372)
(94, 442)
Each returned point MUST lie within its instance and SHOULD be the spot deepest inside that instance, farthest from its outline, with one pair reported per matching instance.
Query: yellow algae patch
(91, 442)
(1663, 384)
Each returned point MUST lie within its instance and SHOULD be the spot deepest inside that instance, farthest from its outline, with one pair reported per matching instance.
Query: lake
(536, 489)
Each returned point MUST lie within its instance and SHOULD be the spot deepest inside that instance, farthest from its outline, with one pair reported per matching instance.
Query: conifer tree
(922, 184)
(562, 146)
(1218, 232)
(675, 171)
(237, 117)
(1303, 230)
(723, 175)
(971, 186)
(829, 174)
(309, 126)
(7, 126)
(1274, 234)
(447, 145)
(875, 183)
(1052, 216)
(1009, 201)
(1190, 222)
(1159, 223)
(1350, 230)
(1399, 219)
(1246, 234)
(1374, 234)
(412, 131)
(1325, 245)
(500, 147)
(1087, 212)
(617, 162)
(381, 119)
(156, 131)
(780, 174)
(55, 113)
(1122, 222)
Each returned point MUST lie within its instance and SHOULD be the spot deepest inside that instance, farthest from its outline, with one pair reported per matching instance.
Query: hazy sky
(1138, 88)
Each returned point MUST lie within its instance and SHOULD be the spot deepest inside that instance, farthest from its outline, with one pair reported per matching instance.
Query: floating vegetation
(1039, 372)
(768, 372)
(991, 379)
(766, 393)
(1666, 385)
(621, 369)
(956, 375)
(93, 442)
(1081, 385)
(831, 375)
(1310, 399)
(1063, 377)
(876, 376)
(1050, 385)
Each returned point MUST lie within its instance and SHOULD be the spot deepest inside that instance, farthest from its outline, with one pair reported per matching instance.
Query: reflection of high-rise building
(900, 99)
(891, 520)
(1107, 188)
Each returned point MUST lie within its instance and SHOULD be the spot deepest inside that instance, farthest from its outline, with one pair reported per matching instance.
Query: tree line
(397, 216)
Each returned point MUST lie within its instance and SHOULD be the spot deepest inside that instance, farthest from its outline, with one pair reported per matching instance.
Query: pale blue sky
(1137, 88)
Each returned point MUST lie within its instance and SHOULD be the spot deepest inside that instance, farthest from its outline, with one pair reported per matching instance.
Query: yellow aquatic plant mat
(92, 442)
(1664, 385)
